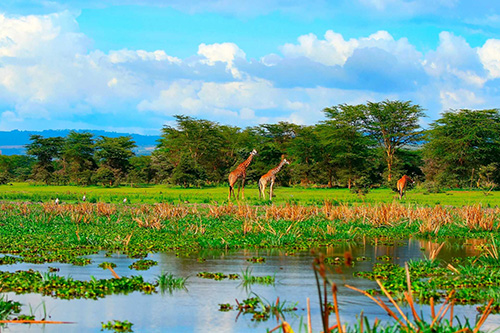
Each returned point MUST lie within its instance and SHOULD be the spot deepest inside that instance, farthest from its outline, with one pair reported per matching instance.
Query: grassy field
(218, 195)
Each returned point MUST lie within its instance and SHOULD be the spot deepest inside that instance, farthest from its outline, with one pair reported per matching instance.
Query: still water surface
(196, 309)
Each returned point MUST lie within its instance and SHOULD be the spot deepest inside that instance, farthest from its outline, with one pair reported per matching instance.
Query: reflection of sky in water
(196, 309)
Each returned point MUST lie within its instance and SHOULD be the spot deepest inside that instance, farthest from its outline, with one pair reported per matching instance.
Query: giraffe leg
(243, 188)
(262, 192)
(271, 190)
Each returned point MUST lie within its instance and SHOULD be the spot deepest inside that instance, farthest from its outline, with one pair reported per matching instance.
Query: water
(197, 308)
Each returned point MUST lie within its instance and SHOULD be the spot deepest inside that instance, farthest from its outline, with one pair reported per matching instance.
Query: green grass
(211, 195)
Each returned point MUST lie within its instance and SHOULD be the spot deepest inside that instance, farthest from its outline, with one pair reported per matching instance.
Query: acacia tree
(343, 138)
(304, 151)
(16, 166)
(78, 156)
(45, 150)
(271, 141)
(393, 124)
(461, 145)
(204, 143)
(114, 154)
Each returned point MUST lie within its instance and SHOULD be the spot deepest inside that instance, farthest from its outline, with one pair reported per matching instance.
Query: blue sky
(131, 65)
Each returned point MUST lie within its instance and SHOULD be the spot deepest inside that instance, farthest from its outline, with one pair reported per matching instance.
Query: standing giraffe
(240, 172)
(401, 185)
(270, 176)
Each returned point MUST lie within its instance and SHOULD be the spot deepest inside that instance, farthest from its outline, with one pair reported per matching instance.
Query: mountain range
(13, 142)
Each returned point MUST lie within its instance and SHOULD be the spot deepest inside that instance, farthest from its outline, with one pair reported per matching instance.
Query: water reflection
(196, 308)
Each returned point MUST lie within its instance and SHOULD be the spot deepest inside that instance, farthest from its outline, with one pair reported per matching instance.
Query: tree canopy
(356, 145)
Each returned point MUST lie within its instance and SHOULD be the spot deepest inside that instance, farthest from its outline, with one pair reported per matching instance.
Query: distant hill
(13, 142)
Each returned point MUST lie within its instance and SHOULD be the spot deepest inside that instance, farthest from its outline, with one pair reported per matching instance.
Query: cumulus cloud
(489, 54)
(377, 62)
(224, 52)
(333, 50)
(124, 56)
(51, 76)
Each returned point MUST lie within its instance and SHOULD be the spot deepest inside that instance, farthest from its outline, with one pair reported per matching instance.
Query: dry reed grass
(429, 219)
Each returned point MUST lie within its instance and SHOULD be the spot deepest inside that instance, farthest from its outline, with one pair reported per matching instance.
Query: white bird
(125, 200)
(84, 198)
(57, 201)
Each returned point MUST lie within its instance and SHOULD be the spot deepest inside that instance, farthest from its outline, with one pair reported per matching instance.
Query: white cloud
(247, 114)
(50, 76)
(460, 99)
(179, 97)
(489, 54)
(123, 56)
(334, 50)
(455, 62)
(224, 52)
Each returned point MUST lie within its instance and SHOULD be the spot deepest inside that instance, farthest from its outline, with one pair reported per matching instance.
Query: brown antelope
(270, 176)
(402, 183)
(240, 172)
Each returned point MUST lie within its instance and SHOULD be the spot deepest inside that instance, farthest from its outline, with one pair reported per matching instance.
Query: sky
(131, 65)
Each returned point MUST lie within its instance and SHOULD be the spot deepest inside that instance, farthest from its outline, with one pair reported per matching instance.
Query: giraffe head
(254, 152)
(408, 179)
(285, 161)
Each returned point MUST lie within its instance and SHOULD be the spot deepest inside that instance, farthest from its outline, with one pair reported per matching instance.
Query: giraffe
(270, 176)
(401, 185)
(240, 172)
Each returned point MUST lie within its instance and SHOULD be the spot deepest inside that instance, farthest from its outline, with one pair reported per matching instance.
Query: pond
(196, 308)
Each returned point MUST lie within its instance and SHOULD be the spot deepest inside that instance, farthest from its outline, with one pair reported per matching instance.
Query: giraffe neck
(247, 162)
(278, 168)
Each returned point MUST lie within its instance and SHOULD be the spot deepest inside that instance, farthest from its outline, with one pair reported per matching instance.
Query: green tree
(78, 157)
(141, 170)
(347, 148)
(271, 141)
(305, 153)
(104, 175)
(459, 144)
(45, 150)
(188, 172)
(210, 145)
(393, 124)
(115, 154)
(18, 167)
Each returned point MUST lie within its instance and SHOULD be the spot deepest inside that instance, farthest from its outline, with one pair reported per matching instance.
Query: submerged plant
(167, 282)
(261, 309)
(8, 307)
(143, 264)
(56, 286)
(118, 326)
(259, 260)
(248, 278)
(217, 276)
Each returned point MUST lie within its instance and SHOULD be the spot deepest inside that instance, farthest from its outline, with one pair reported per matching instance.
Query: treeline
(356, 146)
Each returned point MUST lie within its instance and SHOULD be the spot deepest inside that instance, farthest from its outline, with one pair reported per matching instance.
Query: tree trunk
(390, 156)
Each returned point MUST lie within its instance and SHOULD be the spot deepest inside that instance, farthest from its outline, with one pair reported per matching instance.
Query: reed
(402, 322)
